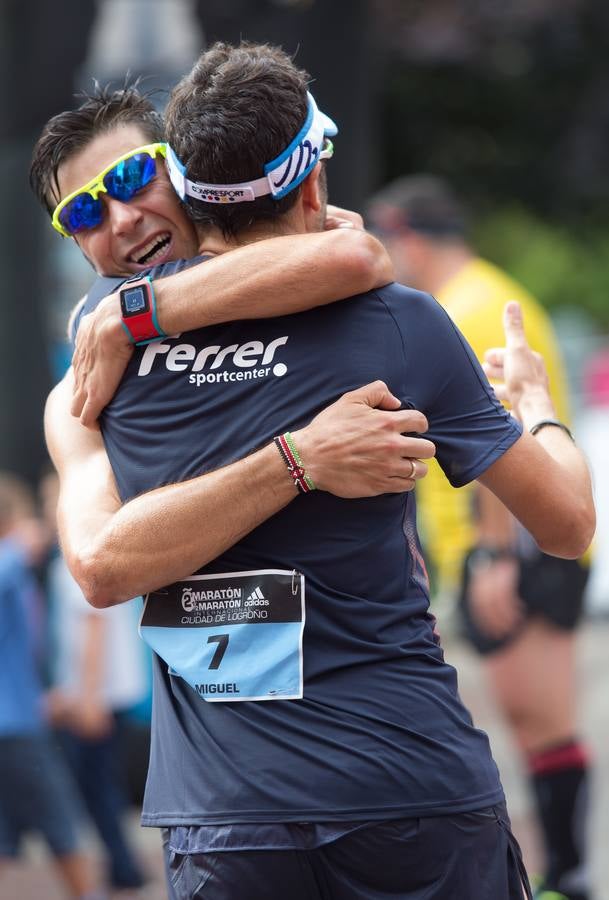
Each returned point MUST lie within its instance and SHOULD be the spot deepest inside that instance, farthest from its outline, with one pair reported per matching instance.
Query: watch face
(135, 301)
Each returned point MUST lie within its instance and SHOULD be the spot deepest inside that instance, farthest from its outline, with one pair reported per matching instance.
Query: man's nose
(123, 217)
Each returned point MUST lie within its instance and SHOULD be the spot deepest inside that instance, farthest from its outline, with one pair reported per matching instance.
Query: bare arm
(543, 480)
(493, 586)
(283, 275)
(354, 448)
(91, 716)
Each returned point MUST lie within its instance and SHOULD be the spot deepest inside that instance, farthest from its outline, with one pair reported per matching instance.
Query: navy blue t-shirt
(381, 731)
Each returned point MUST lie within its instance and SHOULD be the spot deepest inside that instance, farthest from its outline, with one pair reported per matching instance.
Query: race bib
(234, 636)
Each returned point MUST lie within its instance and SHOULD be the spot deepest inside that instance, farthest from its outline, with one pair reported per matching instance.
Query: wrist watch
(138, 311)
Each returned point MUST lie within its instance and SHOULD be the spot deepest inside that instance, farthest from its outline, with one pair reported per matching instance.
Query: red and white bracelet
(289, 454)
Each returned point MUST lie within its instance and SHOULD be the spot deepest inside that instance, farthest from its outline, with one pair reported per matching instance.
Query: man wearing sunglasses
(360, 775)
(127, 218)
(101, 162)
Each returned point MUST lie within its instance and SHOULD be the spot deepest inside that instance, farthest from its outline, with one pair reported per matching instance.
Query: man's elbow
(368, 261)
(570, 535)
(93, 574)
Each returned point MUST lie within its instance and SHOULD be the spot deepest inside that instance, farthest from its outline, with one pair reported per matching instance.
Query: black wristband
(483, 556)
(555, 423)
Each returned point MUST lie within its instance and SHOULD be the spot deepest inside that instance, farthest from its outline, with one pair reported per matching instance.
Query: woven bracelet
(291, 457)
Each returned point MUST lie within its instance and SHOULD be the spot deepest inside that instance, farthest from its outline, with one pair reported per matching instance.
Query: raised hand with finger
(519, 373)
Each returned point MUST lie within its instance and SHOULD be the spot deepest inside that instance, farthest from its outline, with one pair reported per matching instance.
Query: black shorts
(458, 857)
(37, 795)
(550, 588)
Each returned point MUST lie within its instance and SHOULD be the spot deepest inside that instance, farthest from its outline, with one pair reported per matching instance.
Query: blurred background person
(593, 437)
(36, 792)
(97, 677)
(520, 607)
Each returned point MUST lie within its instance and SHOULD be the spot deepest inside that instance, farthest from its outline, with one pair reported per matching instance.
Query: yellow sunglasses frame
(95, 187)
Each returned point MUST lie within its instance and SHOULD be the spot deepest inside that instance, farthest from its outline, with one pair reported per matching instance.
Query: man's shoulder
(401, 295)
(408, 305)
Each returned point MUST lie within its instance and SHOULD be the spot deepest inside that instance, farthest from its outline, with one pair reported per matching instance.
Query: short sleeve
(444, 380)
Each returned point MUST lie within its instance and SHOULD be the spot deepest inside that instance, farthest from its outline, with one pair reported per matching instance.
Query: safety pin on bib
(295, 575)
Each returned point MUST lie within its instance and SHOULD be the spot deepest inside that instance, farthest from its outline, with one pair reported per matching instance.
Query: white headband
(281, 175)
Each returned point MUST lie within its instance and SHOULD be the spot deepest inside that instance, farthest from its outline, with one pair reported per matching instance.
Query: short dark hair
(68, 132)
(237, 109)
(425, 203)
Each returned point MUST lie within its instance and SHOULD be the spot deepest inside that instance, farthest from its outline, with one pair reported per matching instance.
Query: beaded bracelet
(291, 457)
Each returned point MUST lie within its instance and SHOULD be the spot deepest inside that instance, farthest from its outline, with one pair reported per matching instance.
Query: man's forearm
(356, 447)
(544, 480)
(127, 557)
(271, 278)
(116, 552)
(284, 275)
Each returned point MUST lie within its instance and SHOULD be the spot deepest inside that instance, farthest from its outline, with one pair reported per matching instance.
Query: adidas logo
(256, 598)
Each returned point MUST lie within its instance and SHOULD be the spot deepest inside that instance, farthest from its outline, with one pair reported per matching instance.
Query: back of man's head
(72, 130)
(238, 109)
(423, 203)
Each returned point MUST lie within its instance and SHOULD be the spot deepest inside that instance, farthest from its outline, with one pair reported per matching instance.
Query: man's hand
(494, 602)
(102, 353)
(521, 373)
(84, 716)
(357, 447)
(91, 720)
(337, 217)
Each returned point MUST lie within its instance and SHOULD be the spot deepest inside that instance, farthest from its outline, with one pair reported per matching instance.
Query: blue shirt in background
(20, 687)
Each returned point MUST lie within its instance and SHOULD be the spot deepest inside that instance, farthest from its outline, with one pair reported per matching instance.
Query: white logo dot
(280, 369)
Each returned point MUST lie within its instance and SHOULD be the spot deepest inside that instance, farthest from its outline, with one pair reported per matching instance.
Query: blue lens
(83, 212)
(122, 183)
(130, 176)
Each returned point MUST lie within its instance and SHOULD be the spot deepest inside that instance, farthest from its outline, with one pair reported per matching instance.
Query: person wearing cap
(128, 216)
(309, 739)
(520, 607)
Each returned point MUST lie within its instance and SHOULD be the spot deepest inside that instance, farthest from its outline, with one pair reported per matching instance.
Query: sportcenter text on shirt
(251, 360)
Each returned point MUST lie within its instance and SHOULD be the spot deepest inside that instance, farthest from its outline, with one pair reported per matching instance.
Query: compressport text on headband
(281, 175)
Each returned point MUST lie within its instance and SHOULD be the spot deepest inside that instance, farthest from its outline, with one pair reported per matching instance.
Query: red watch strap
(143, 327)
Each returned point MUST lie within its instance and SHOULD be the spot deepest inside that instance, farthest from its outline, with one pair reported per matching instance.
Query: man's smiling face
(150, 229)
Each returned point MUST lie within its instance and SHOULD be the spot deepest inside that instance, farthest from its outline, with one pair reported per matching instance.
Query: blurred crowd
(73, 704)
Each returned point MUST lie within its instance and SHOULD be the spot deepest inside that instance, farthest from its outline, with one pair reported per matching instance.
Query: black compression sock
(559, 775)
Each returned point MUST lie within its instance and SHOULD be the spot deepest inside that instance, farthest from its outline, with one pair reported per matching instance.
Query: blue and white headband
(281, 175)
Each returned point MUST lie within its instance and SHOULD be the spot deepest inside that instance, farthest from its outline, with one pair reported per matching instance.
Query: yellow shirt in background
(475, 298)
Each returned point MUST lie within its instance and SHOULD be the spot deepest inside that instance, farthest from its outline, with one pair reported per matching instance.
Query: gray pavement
(34, 879)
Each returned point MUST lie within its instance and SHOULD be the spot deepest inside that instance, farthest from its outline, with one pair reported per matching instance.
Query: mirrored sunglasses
(83, 209)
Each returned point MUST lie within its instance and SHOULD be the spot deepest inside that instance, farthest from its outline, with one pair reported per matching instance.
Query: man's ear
(312, 197)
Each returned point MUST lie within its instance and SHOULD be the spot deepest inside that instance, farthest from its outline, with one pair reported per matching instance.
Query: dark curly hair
(68, 132)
